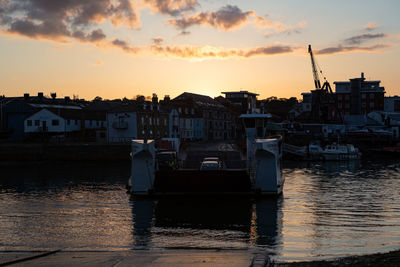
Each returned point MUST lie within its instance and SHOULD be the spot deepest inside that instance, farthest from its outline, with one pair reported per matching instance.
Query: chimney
(53, 95)
(355, 96)
(40, 95)
(140, 98)
(26, 96)
(362, 75)
(167, 98)
(154, 99)
(67, 99)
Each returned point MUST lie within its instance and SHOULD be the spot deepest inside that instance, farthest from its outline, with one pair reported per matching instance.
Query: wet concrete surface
(148, 257)
(181, 257)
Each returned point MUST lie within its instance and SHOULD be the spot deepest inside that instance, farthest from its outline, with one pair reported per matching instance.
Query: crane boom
(317, 82)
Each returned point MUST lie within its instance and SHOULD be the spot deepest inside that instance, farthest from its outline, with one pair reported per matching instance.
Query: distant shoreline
(65, 152)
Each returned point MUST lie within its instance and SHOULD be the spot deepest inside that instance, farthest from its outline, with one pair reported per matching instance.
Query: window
(55, 122)
(37, 122)
(102, 124)
(347, 97)
(29, 122)
(165, 122)
(76, 122)
(90, 122)
(339, 97)
(68, 122)
(363, 96)
(97, 123)
(340, 105)
(371, 96)
(371, 105)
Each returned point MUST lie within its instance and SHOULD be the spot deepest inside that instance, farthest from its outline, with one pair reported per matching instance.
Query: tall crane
(316, 71)
(323, 101)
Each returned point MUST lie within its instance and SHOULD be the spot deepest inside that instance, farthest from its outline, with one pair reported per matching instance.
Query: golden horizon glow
(195, 46)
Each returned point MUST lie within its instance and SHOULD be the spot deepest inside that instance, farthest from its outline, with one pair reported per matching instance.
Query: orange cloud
(371, 26)
(204, 52)
(171, 7)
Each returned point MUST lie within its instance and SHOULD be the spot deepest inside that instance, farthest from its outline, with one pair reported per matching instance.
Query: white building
(62, 120)
(122, 124)
(45, 121)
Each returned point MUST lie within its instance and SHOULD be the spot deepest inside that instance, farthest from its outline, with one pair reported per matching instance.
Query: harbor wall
(65, 152)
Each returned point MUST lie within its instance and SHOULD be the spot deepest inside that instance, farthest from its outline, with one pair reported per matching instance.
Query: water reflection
(340, 208)
(328, 209)
(206, 222)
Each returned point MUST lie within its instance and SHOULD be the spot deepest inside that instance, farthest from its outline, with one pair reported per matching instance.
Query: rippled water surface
(327, 210)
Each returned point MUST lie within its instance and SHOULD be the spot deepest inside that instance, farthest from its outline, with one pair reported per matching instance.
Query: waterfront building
(190, 120)
(122, 123)
(359, 96)
(166, 105)
(244, 99)
(392, 104)
(15, 112)
(216, 121)
(61, 121)
(152, 119)
(389, 121)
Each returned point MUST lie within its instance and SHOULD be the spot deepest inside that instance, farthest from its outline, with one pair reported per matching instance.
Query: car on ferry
(211, 164)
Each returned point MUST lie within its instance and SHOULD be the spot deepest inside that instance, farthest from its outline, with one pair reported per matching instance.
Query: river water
(327, 210)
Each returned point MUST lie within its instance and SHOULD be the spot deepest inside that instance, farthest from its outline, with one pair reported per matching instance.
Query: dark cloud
(124, 46)
(270, 50)
(96, 35)
(158, 41)
(200, 52)
(172, 7)
(61, 19)
(231, 17)
(185, 33)
(342, 49)
(358, 39)
(53, 29)
(226, 18)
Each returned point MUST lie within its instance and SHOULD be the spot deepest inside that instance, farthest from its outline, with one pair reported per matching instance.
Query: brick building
(358, 96)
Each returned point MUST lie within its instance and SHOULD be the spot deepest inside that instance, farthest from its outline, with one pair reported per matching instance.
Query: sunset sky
(122, 48)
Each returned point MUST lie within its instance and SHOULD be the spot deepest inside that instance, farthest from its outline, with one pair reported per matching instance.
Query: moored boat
(340, 152)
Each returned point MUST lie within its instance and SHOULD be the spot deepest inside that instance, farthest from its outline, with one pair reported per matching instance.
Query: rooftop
(241, 92)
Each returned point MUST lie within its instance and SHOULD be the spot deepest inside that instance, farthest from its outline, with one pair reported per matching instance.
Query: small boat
(340, 152)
